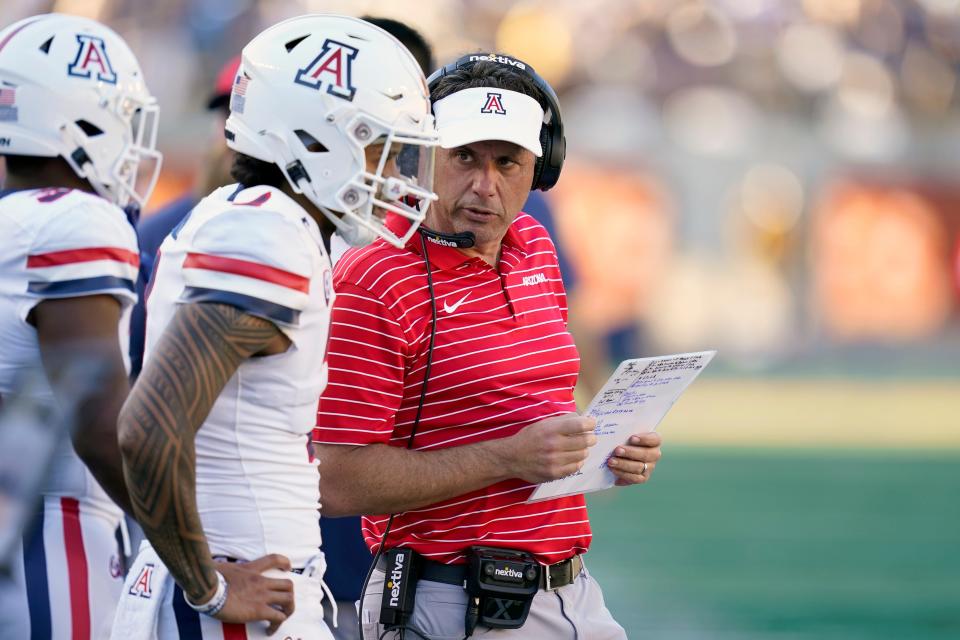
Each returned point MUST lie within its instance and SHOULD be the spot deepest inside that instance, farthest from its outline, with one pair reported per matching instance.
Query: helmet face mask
(132, 174)
(80, 95)
(320, 95)
(399, 181)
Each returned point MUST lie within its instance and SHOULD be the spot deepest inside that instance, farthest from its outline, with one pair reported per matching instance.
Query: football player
(77, 130)
(215, 434)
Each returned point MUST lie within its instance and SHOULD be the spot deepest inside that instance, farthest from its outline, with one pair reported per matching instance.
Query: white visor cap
(489, 113)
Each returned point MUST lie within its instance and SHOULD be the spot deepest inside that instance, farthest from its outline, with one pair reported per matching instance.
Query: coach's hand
(633, 462)
(552, 448)
(252, 597)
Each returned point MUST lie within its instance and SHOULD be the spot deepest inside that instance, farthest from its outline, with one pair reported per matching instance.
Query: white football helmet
(71, 87)
(312, 93)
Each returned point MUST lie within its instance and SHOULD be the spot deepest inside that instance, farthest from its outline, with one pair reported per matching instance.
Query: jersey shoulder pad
(81, 245)
(253, 257)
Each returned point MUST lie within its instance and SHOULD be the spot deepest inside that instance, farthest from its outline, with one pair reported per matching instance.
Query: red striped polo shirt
(503, 360)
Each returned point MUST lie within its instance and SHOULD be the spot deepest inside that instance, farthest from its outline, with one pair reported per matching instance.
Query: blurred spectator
(629, 219)
(956, 265)
(410, 38)
(538, 206)
(153, 229)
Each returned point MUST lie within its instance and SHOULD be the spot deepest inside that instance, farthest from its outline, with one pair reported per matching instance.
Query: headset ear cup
(546, 143)
(550, 173)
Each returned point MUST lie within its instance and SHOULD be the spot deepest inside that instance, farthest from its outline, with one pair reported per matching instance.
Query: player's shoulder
(259, 206)
(44, 203)
(259, 224)
(365, 266)
(78, 244)
(62, 219)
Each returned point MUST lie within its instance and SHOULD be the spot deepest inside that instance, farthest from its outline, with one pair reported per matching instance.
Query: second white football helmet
(71, 87)
(312, 94)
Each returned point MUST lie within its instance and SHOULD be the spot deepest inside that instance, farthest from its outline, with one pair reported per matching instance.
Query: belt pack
(500, 585)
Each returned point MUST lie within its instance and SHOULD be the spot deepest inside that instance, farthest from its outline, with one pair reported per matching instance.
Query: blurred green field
(784, 543)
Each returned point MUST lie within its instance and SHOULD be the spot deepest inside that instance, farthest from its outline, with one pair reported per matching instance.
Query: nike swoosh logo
(450, 308)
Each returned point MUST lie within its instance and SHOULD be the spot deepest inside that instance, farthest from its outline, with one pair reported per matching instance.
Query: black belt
(299, 570)
(552, 576)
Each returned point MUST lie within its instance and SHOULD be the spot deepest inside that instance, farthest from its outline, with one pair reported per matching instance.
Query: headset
(546, 171)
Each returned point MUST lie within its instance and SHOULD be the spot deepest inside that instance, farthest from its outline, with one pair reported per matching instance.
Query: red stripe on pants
(76, 569)
(234, 631)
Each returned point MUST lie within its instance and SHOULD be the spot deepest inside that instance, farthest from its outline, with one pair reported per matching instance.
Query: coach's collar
(444, 257)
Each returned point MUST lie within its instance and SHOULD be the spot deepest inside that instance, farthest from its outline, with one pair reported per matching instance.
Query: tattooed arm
(197, 354)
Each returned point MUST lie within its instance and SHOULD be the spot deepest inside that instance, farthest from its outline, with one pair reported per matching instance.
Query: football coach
(450, 393)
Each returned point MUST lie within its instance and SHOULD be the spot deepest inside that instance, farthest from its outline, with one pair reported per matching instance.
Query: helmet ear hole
(89, 128)
(291, 45)
(310, 143)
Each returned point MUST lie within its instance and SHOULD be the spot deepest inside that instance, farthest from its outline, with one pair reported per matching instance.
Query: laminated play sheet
(634, 400)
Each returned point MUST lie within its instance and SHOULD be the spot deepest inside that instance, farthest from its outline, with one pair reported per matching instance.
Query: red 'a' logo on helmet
(92, 60)
(332, 68)
(494, 104)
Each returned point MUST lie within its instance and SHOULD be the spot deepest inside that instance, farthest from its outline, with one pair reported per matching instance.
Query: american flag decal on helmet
(8, 110)
(238, 97)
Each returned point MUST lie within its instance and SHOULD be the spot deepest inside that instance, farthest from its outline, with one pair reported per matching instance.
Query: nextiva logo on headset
(492, 57)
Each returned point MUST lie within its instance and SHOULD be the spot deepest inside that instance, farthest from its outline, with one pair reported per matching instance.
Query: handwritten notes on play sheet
(633, 400)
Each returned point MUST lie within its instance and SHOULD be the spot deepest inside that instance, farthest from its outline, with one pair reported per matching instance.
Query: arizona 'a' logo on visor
(333, 68)
(494, 104)
(92, 60)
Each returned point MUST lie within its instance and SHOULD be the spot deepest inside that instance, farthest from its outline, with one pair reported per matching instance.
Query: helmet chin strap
(356, 235)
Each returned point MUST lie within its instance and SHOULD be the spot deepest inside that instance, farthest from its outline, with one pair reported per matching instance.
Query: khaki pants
(574, 612)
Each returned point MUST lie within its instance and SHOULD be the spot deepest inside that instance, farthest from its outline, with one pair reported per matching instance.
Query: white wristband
(215, 604)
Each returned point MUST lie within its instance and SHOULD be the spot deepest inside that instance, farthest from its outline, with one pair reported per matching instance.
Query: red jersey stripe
(234, 631)
(90, 254)
(248, 269)
(76, 569)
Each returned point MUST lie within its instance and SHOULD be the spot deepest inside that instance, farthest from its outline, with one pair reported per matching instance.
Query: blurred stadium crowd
(773, 178)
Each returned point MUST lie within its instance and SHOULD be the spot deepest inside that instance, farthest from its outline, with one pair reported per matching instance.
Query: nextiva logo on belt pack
(399, 588)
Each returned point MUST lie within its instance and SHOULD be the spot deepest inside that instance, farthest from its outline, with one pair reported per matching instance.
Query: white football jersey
(257, 482)
(60, 243)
